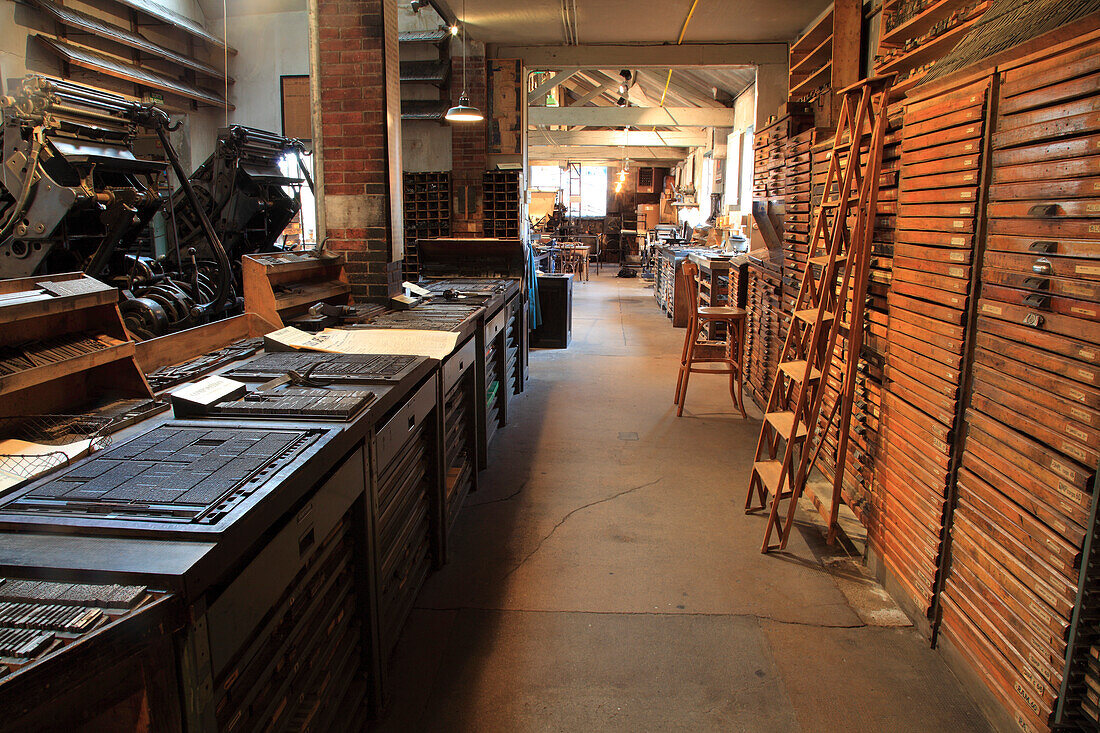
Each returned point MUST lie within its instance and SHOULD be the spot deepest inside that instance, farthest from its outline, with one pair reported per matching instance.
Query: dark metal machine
(243, 192)
(74, 196)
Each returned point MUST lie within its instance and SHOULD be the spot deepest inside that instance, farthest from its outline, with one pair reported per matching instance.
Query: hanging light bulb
(463, 111)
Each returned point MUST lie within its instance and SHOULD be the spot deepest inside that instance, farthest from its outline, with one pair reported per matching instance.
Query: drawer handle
(1042, 266)
(1045, 248)
(1037, 300)
(1035, 320)
(1043, 210)
(412, 422)
(1037, 283)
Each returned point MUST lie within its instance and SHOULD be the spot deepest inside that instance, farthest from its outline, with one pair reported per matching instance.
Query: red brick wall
(469, 143)
(360, 136)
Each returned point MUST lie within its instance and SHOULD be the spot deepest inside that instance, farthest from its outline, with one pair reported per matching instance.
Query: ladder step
(809, 315)
(824, 259)
(783, 422)
(795, 370)
(768, 471)
(834, 203)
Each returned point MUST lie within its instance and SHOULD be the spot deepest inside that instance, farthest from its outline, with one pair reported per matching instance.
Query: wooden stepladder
(819, 339)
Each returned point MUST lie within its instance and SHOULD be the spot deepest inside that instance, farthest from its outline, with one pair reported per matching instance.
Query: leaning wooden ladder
(792, 435)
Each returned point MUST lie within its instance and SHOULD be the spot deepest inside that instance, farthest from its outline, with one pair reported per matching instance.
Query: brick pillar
(360, 136)
(469, 143)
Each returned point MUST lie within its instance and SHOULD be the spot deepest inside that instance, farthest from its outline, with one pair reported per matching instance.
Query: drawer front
(391, 436)
(457, 364)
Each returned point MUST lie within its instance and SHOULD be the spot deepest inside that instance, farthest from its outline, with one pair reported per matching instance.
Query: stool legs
(732, 360)
(693, 331)
(734, 331)
(683, 362)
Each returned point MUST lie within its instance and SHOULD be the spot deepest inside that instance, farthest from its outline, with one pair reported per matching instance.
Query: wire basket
(50, 430)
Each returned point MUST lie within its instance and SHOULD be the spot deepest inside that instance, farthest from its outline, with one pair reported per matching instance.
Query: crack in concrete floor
(564, 519)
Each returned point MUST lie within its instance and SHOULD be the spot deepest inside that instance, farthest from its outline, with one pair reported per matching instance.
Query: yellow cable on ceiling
(679, 41)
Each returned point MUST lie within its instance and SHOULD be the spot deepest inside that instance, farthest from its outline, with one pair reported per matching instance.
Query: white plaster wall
(272, 40)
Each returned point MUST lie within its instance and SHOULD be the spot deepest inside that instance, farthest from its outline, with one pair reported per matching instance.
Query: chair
(692, 357)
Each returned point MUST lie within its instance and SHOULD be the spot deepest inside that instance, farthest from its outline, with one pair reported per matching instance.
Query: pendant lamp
(464, 111)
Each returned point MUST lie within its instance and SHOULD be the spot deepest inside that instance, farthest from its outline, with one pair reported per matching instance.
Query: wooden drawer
(1040, 320)
(1044, 293)
(1066, 168)
(965, 194)
(1064, 377)
(1069, 267)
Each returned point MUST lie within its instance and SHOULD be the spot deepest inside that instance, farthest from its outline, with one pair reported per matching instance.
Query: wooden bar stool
(691, 359)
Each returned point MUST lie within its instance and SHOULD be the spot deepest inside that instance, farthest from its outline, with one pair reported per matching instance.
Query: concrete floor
(606, 578)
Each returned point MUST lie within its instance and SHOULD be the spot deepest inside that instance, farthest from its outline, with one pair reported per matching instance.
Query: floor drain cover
(628, 436)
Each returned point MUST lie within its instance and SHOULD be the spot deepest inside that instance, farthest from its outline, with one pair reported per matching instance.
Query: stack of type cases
(460, 443)
(501, 194)
(713, 292)
(763, 343)
(928, 304)
(1025, 489)
(494, 388)
(666, 281)
(309, 653)
(404, 531)
(798, 222)
(769, 175)
(511, 346)
(427, 202)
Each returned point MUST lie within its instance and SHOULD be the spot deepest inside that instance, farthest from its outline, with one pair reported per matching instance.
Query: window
(584, 188)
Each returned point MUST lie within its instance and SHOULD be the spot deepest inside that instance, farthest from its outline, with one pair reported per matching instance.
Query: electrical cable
(679, 42)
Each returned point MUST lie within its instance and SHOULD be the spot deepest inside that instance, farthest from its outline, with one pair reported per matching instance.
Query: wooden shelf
(817, 31)
(933, 49)
(826, 58)
(809, 63)
(920, 23)
(49, 372)
(819, 77)
(308, 294)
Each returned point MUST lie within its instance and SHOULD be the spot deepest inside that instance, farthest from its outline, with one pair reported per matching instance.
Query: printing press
(76, 196)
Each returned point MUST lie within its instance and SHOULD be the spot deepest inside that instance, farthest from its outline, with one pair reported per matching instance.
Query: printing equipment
(247, 198)
(75, 196)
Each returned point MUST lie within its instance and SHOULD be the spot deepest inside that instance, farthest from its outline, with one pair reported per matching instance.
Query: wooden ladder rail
(855, 259)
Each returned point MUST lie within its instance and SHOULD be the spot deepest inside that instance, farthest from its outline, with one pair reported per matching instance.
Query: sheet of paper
(11, 473)
(434, 344)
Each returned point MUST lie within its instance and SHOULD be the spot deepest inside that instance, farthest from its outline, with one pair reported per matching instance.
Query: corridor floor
(604, 576)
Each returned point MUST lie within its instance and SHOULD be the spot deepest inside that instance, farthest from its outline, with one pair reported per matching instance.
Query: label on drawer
(1086, 376)
(1088, 354)
(968, 161)
(1094, 228)
(968, 147)
(958, 240)
(957, 257)
(1073, 451)
(956, 271)
(993, 309)
(1082, 415)
(1075, 433)
(1076, 394)
(965, 211)
(1092, 207)
(1065, 472)
(958, 224)
(970, 194)
(1088, 270)
(968, 176)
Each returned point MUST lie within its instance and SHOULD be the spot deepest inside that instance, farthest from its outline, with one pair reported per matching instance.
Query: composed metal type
(173, 474)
